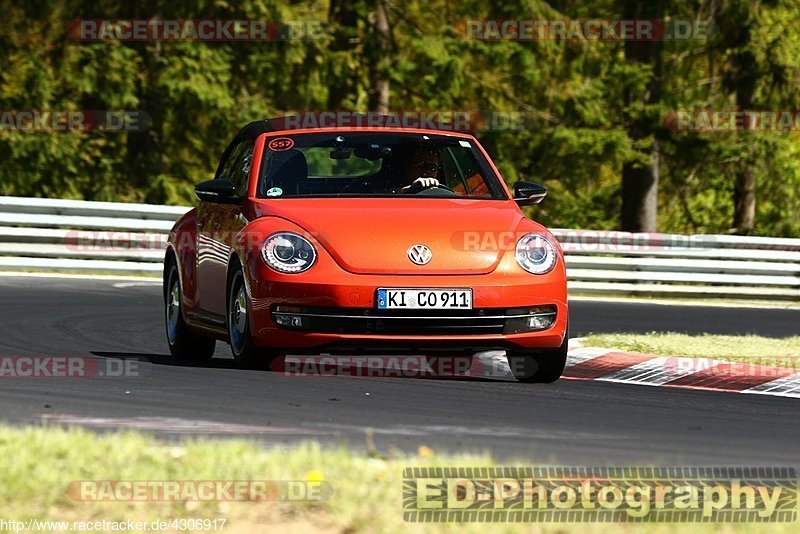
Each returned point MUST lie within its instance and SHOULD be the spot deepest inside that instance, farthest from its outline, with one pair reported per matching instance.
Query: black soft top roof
(253, 130)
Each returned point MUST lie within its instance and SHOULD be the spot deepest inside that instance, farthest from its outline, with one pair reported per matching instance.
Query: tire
(244, 352)
(183, 343)
(542, 367)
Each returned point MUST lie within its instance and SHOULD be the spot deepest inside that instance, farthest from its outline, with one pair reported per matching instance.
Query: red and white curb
(608, 365)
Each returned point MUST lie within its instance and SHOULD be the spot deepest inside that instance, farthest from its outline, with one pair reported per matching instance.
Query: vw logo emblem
(420, 254)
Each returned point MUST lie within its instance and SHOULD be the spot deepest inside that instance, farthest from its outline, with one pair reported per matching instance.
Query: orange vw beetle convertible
(353, 240)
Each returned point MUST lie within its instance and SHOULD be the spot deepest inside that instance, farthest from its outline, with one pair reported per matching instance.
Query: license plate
(428, 299)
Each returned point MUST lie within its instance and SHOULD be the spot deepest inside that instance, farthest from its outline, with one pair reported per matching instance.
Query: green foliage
(579, 98)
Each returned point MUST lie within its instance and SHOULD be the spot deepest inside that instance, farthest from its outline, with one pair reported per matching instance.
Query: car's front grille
(410, 322)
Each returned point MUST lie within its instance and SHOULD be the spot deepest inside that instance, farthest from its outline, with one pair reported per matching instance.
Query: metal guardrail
(84, 237)
(119, 238)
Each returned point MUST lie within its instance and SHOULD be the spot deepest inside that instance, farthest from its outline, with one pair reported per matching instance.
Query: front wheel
(543, 366)
(244, 352)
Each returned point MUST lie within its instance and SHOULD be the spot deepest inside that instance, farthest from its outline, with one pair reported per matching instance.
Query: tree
(592, 110)
(640, 177)
(740, 77)
(379, 62)
(758, 54)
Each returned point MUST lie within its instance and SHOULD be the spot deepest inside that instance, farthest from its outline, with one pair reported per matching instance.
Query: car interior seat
(289, 171)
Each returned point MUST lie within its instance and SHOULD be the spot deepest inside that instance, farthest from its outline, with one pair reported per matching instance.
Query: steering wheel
(439, 186)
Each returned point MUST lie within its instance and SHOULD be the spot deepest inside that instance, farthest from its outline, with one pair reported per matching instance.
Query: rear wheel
(183, 343)
(244, 352)
(543, 366)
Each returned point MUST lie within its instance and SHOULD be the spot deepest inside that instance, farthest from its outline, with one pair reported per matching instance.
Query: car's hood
(373, 236)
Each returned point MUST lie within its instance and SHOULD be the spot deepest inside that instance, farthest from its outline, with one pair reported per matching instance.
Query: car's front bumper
(339, 313)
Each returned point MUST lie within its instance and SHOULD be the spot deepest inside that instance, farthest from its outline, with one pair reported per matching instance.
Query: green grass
(37, 465)
(783, 352)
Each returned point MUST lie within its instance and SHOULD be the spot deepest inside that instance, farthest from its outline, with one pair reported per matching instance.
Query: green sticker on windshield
(274, 192)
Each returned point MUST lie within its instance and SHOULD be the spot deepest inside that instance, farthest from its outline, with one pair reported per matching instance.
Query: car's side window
(243, 167)
(236, 167)
(225, 165)
(240, 169)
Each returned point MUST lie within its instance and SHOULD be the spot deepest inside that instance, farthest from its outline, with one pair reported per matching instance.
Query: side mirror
(528, 193)
(217, 192)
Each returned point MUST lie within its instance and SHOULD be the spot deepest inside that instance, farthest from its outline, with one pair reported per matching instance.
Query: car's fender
(182, 244)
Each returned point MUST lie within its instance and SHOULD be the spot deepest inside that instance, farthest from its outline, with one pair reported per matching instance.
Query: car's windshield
(376, 164)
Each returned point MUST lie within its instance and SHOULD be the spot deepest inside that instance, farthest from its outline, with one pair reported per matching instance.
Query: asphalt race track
(569, 422)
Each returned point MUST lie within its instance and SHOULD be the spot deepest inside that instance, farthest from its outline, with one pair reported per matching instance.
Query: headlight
(536, 254)
(288, 253)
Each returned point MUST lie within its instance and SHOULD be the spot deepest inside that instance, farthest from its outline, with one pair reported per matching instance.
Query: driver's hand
(420, 184)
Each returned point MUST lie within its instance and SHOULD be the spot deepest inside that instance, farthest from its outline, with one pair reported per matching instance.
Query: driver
(421, 171)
